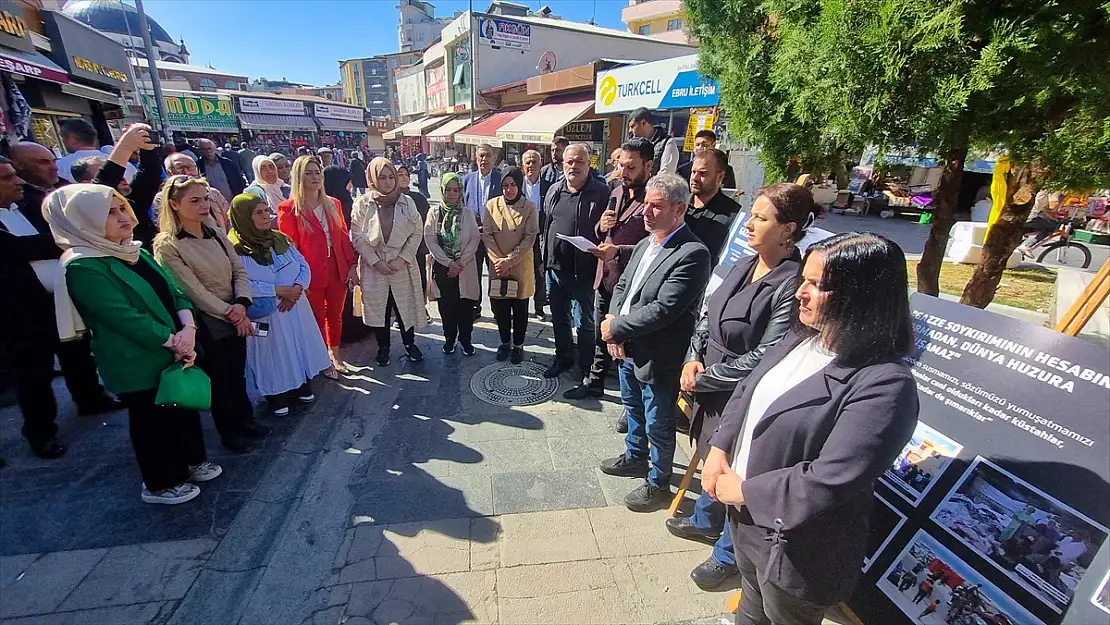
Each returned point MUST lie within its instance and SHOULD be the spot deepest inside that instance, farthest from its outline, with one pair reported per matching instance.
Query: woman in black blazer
(803, 438)
(749, 312)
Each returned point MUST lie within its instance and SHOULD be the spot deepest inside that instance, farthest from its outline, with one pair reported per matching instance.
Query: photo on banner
(1037, 541)
(920, 464)
(886, 520)
(931, 586)
(1101, 598)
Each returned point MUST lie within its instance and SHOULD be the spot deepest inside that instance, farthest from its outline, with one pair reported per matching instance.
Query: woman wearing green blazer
(140, 322)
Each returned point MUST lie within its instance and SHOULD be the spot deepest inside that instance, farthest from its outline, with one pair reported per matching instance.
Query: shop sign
(97, 68)
(193, 111)
(526, 137)
(14, 33)
(700, 119)
(504, 33)
(88, 55)
(271, 107)
(17, 65)
(667, 84)
(437, 89)
(585, 132)
(410, 94)
(332, 111)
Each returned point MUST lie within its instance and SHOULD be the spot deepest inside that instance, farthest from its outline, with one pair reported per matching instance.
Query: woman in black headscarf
(337, 184)
(509, 227)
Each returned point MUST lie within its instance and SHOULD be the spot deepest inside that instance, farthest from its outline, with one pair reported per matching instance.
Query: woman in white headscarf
(140, 322)
(267, 185)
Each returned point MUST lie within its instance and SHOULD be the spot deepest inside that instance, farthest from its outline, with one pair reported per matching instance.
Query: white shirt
(16, 223)
(323, 217)
(669, 161)
(532, 192)
(650, 254)
(65, 164)
(806, 359)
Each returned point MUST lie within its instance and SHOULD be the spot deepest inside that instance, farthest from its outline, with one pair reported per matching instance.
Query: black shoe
(503, 351)
(449, 347)
(383, 357)
(684, 527)
(253, 429)
(468, 349)
(624, 466)
(709, 575)
(49, 448)
(540, 314)
(557, 368)
(648, 498)
(621, 424)
(104, 403)
(582, 391)
(236, 445)
(517, 355)
(414, 353)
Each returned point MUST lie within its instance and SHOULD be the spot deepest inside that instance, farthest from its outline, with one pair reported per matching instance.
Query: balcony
(644, 10)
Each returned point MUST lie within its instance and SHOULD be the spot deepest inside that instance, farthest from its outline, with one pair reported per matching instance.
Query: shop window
(207, 84)
(231, 84)
(674, 25)
(645, 29)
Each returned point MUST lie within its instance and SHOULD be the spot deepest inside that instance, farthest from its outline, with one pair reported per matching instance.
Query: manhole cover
(504, 384)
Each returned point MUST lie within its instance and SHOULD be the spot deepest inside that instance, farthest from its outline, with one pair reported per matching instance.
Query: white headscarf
(77, 214)
(274, 195)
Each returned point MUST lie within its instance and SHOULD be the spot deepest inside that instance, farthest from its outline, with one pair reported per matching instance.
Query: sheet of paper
(581, 243)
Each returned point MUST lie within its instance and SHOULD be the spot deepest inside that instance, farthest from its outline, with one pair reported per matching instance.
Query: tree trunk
(944, 215)
(1005, 235)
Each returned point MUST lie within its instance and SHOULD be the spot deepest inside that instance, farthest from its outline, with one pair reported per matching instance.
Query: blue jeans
(709, 514)
(652, 411)
(569, 295)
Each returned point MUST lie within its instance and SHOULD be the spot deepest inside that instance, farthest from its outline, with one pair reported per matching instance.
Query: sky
(303, 40)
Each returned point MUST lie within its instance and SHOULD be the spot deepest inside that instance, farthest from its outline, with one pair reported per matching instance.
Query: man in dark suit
(480, 187)
(28, 265)
(223, 174)
(650, 321)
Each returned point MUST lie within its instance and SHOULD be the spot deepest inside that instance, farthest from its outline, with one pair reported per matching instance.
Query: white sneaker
(205, 471)
(281, 412)
(306, 399)
(171, 496)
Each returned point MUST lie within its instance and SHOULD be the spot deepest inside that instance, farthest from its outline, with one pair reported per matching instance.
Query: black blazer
(27, 318)
(742, 321)
(814, 459)
(656, 331)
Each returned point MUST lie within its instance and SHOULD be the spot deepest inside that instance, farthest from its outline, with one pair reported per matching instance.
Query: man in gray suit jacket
(650, 321)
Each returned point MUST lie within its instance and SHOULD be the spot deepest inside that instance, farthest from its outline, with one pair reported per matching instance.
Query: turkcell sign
(667, 84)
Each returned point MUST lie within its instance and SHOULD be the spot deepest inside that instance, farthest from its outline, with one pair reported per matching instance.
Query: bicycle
(1068, 252)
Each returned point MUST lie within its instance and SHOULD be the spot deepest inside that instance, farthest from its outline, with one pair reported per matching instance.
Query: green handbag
(189, 389)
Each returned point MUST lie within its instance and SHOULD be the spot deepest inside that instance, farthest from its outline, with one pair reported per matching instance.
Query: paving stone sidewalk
(398, 497)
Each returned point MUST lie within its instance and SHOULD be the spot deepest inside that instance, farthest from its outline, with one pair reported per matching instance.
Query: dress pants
(166, 440)
(602, 360)
(326, 296)
(480, 258)
(512, 319)
(651, 410)
(540, 298)
(408, 335)
(225, 362)
(457, 313)
(566, 292)
(763, 603)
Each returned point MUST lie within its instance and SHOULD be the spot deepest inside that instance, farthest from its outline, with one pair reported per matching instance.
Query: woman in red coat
(328, 250)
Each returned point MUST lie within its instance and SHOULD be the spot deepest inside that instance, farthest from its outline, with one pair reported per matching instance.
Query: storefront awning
(541, 123)
(485, 131)
(31, 64)
(422, 126)
(91, 93)
(398, 132)
(444, 132)
(347, 125)
(258, 121)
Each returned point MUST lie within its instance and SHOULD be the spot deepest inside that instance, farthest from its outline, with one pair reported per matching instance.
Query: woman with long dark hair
(747, 314)
(803, 439)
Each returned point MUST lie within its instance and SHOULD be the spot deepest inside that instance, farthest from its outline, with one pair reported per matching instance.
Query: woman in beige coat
(386, 231)
(509, 227)
(451, 235)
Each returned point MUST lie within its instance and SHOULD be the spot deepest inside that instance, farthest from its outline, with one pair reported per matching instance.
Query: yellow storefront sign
(700, 119)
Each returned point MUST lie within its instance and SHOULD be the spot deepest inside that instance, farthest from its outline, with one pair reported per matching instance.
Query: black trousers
(480, 258)
(766, 604)
(540, 298)
(457, 313)
(408, 335)
(166, 440)
(225, 362)
(512, 319)
(32, 363)
(602, 360)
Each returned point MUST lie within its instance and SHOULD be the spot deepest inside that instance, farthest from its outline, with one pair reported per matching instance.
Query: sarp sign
(667, 84)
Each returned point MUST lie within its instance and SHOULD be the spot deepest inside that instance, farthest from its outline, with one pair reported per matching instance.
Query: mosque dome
(115, 18)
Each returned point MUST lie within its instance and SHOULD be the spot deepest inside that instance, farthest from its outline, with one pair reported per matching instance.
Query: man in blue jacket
(480, 187)
(222, 173)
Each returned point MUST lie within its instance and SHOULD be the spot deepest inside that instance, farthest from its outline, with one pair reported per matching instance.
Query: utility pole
(472, 41)
(152, 65)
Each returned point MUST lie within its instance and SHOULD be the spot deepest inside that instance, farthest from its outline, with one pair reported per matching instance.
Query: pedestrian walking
(356, 167)
(509, 227)
(452, 239)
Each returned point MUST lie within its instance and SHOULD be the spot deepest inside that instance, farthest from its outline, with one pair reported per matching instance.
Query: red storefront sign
(18, 65)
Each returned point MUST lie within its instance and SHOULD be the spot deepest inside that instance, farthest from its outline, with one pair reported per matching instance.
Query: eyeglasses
(179, 180)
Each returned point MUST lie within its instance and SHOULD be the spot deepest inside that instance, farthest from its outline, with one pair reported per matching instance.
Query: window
(393, 62)
(207, 84)
(644, 30)
(460, 77)
(231, 84)
(674, 25)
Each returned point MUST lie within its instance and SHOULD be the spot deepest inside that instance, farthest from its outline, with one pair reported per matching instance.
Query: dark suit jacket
(472, 190)
(235, 178)
(549, 175)
(713, 221)
(27, 317)
(656, 331)
(814, 459)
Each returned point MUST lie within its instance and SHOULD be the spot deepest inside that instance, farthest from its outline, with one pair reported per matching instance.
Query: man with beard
(620, 226)
(641, 123)
(711, 212)
(706, 140)
(553, 171)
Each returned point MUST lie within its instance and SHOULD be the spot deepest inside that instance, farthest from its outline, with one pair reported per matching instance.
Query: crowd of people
(794, 361)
